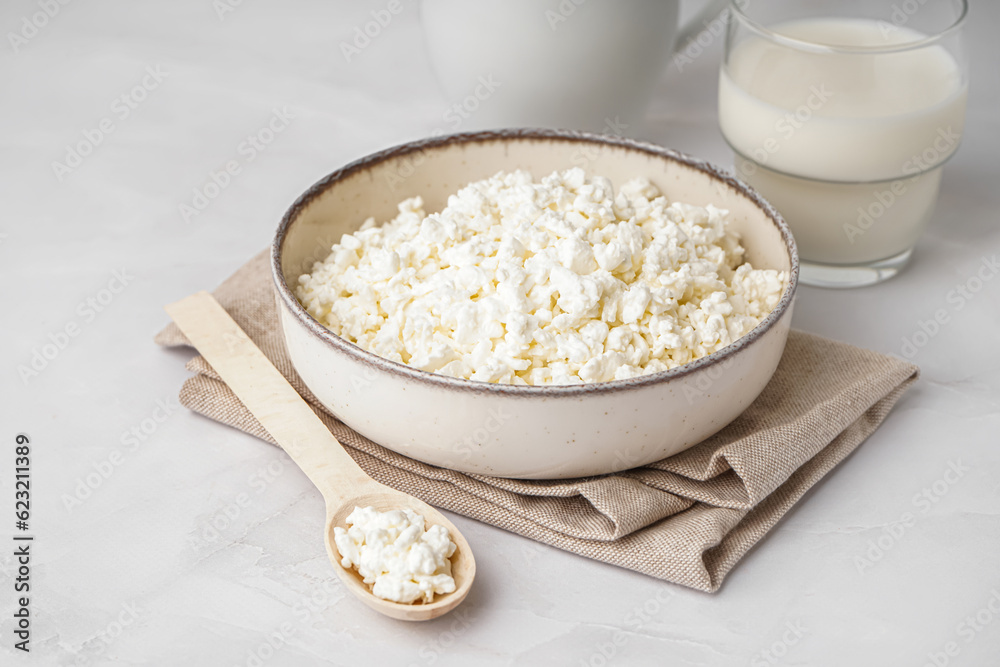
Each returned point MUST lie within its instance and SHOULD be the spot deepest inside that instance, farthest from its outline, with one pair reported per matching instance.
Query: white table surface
(132, 574)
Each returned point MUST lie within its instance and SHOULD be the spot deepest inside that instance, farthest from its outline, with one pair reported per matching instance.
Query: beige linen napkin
(686, 519)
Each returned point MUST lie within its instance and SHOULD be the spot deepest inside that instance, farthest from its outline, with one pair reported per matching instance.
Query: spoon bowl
(463, 566)
(292, 423)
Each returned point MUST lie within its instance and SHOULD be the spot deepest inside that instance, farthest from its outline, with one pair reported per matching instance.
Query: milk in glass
(846, 142)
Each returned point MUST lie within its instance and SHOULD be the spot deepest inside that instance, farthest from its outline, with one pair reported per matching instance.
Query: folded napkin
(686, 519)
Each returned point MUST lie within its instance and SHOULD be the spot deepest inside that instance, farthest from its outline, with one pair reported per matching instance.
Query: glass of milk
(842, 114)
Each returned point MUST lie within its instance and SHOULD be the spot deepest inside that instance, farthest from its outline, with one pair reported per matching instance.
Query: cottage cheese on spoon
(395, 555)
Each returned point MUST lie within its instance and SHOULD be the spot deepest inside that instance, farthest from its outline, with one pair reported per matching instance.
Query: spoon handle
(268, 396)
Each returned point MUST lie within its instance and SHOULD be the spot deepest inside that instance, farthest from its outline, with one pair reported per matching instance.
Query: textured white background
(140, 549)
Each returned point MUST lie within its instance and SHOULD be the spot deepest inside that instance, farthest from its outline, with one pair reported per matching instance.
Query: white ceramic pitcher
(575, 64)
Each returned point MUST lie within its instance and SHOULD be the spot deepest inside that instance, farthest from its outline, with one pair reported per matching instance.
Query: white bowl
(524, 431)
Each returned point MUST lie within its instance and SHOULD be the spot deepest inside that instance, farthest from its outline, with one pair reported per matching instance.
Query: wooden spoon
(289, 419)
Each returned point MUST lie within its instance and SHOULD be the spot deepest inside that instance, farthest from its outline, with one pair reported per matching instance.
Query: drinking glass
(842, 114)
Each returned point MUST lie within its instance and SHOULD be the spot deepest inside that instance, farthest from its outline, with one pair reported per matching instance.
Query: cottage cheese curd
(395, 555)
(561, 281)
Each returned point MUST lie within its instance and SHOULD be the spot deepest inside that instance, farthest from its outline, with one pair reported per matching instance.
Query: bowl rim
(371, 359)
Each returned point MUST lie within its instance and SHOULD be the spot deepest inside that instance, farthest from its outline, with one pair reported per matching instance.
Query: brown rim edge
(417, 375)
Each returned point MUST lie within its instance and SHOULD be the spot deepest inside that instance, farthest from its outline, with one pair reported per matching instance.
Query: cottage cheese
(395, 555)
(561, 281)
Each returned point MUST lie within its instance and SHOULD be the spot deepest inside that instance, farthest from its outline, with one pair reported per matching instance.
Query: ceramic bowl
(524, 431)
